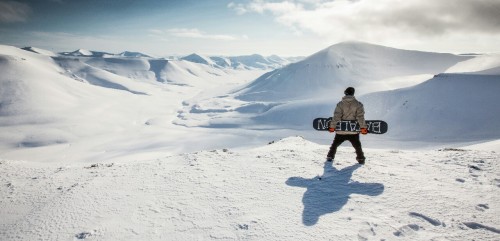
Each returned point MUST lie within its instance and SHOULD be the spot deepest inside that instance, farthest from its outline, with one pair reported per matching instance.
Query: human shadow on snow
(330, 192)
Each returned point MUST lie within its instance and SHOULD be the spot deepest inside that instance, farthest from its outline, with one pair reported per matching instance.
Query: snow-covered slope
(281, 191)
(331, 70)
(40, 105)
(447, 108)
(441, 108)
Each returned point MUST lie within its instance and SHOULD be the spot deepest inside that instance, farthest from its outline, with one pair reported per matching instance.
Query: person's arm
(337, 116)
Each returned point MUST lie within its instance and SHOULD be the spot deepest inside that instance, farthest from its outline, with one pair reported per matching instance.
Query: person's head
(349, 91)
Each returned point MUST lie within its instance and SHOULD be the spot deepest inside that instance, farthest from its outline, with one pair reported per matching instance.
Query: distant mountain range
(240, 62)
(254, 61)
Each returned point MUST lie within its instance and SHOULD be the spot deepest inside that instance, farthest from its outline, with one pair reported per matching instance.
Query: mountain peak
(351, 63)
(39, 51)
(82, 52)
(197, 58)
(133, 54)
(85, 53)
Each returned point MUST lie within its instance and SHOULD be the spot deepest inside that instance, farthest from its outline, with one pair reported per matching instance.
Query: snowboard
(374, 126)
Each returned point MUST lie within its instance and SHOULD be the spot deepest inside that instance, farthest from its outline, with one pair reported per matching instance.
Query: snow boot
(361, 160)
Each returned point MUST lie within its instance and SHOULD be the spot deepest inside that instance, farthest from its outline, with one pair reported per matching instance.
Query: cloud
(195, 33)
(261, 6)
(373, 20)
(11, 11)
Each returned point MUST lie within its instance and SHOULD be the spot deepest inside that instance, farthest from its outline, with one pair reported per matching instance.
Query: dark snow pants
(354, 139)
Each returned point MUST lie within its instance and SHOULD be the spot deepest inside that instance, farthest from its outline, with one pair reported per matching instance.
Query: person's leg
(337, 141)
(356, 143)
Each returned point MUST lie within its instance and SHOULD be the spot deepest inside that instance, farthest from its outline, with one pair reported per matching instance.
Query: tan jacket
(349, 109)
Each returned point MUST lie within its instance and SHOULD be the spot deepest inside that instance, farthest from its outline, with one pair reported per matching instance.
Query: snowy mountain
(258, 61)
(196, 58)
(85, 53)
(133, 54)
(239, 62)
(357, 64)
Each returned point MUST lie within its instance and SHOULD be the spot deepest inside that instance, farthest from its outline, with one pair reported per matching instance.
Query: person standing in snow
(348, 109)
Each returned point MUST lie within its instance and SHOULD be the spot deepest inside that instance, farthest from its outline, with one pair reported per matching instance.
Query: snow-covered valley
(101, 146)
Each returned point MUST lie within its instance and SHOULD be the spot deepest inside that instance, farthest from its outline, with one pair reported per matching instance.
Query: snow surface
(281, 191)
(102, 146)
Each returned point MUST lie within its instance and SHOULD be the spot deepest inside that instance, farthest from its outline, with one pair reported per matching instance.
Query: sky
(240, 27)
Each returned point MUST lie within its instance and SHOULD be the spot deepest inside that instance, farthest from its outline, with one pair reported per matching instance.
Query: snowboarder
(348, 109)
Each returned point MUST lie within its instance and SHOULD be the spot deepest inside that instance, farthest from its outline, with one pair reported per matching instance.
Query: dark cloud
(440, 17)
(11, 11)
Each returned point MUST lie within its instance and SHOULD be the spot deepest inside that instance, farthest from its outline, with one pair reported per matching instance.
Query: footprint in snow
(367, 233)
(407, 230)
(432, 221)
(482, 207)
(83, 235)
(474, 225)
